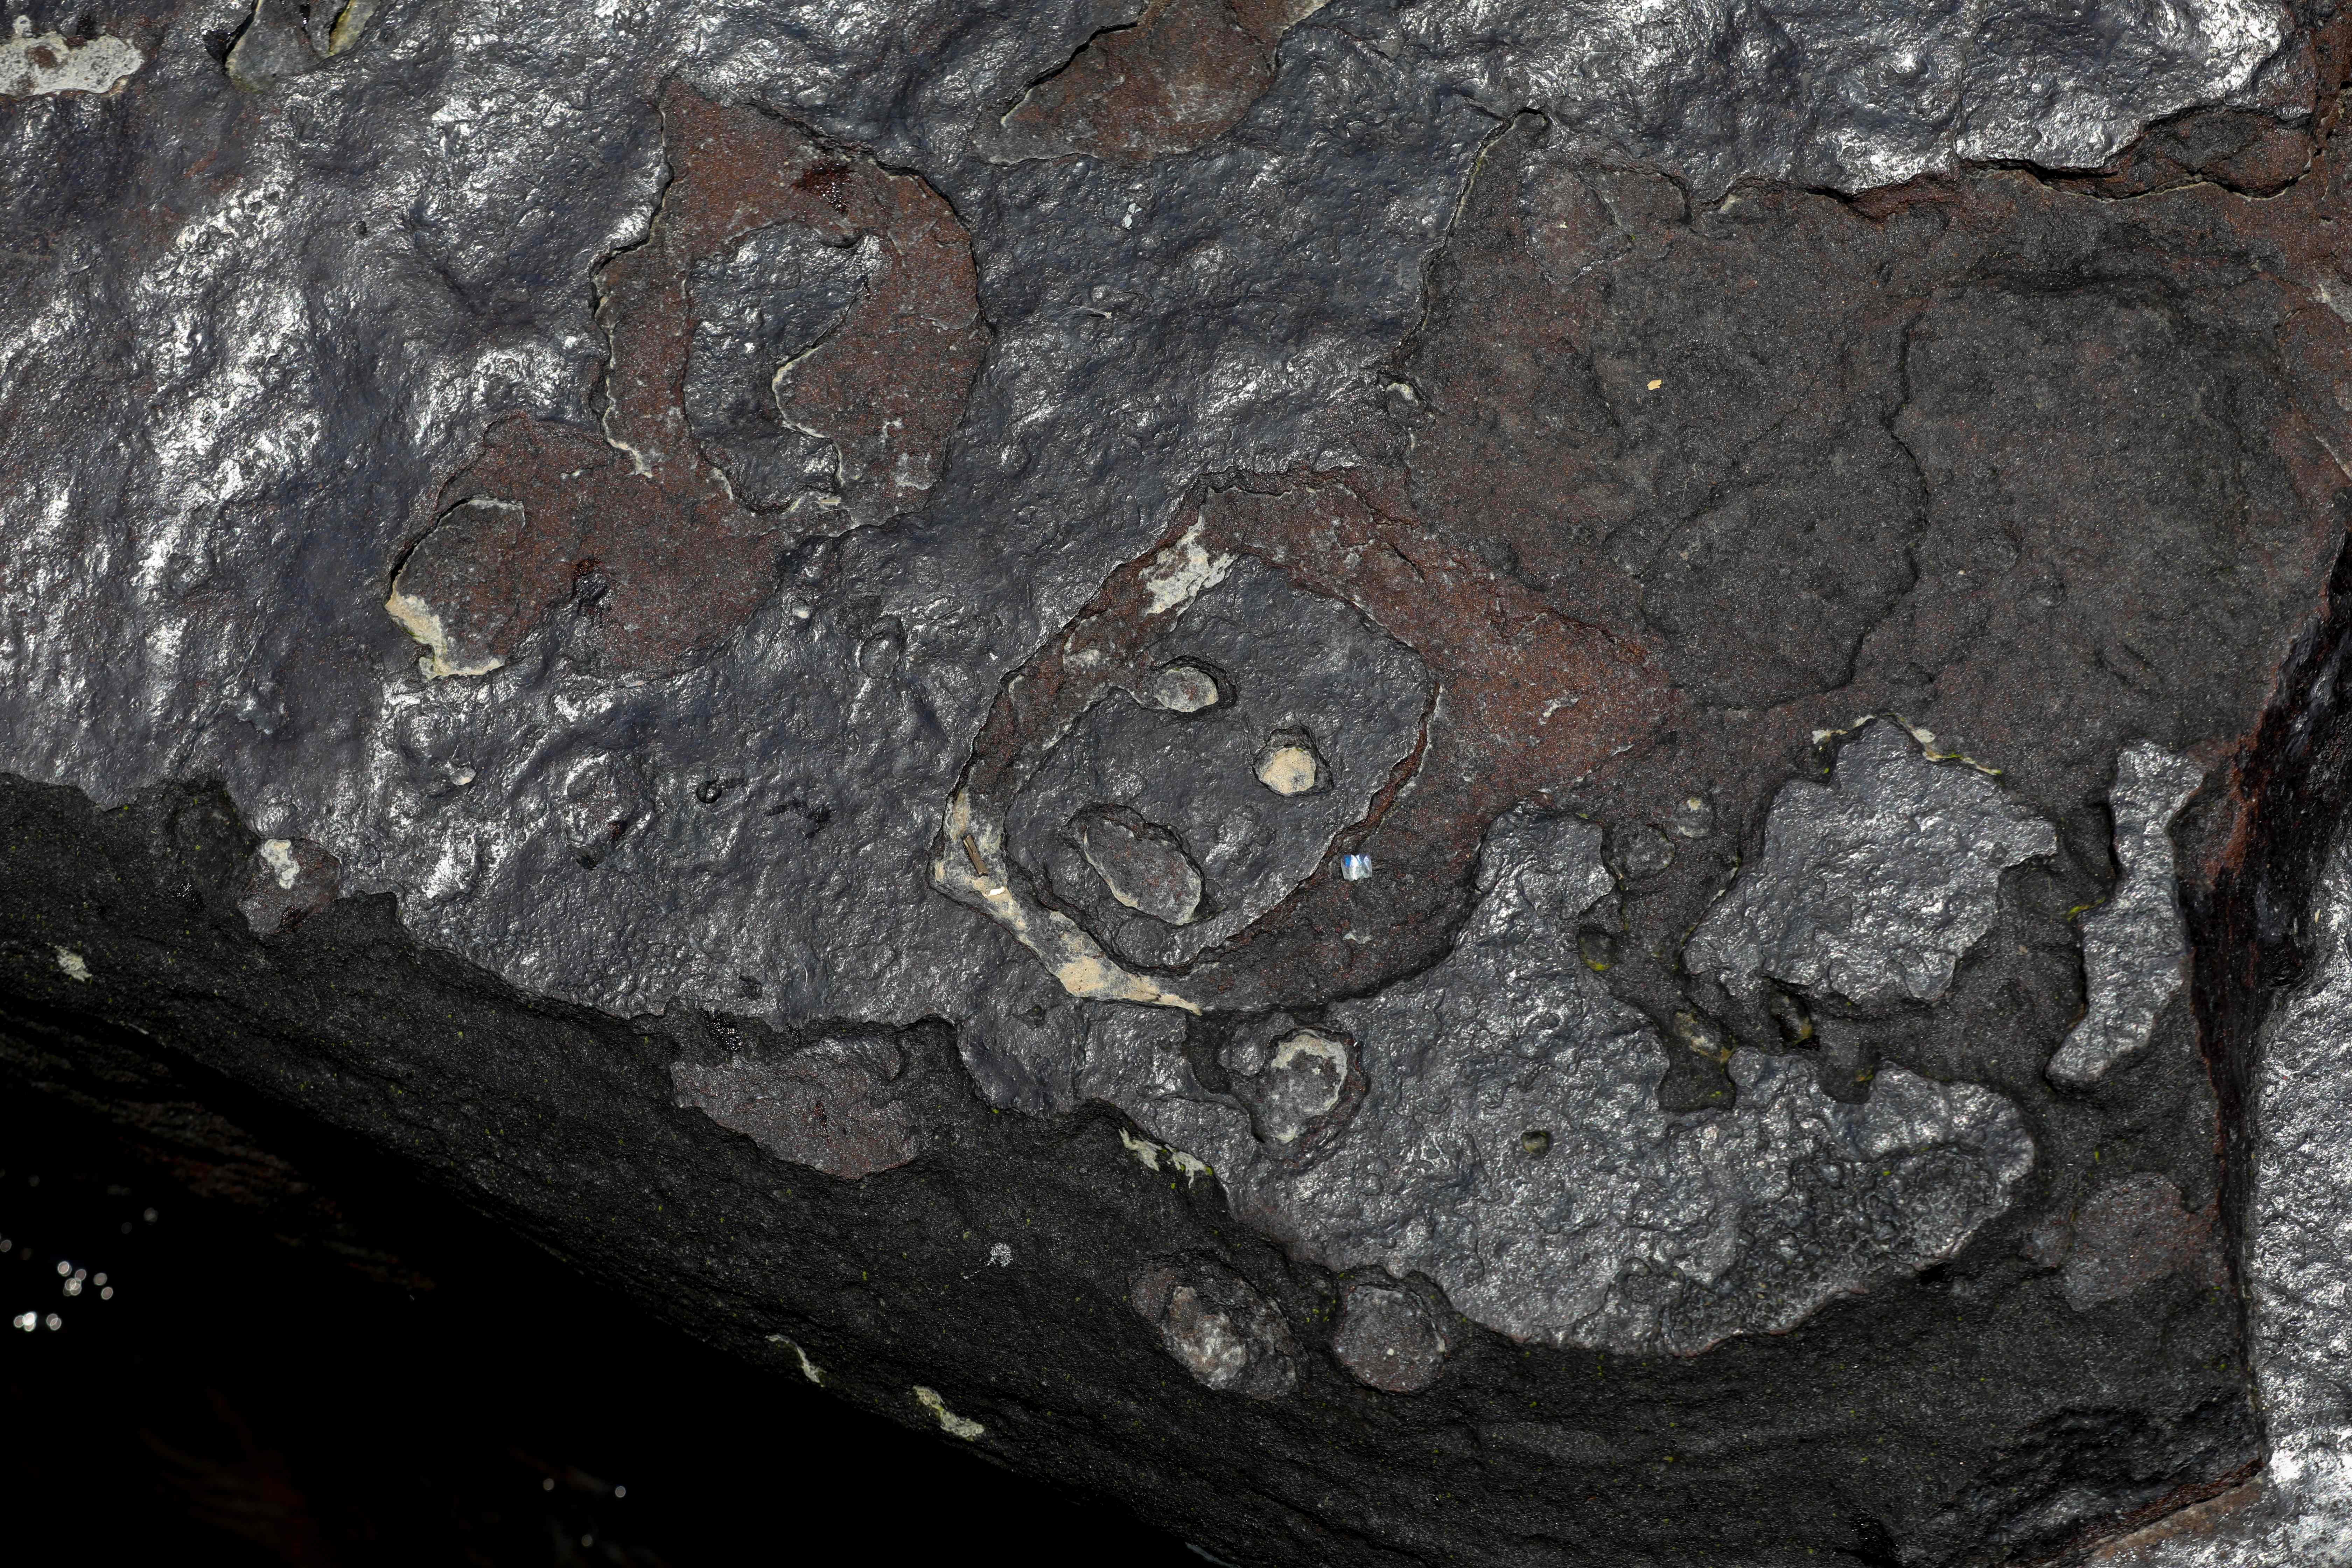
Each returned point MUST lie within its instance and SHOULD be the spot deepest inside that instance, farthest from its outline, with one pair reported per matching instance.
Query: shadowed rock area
(1494, 783)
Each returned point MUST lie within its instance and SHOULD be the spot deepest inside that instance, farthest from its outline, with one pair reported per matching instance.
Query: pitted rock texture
(1293, 672)
(1529, 696)
(797, 459)
(2135, 947)
(1874, 887)
(1511, 1145)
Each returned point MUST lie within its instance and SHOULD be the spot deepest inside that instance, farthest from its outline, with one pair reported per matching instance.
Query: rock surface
(1563, 755)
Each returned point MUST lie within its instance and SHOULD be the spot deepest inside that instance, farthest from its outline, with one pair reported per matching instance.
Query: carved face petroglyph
(1166, 820)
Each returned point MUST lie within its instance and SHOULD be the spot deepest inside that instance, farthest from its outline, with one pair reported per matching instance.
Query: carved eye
(1183, 688)
(1142, 864)
(1288, 764)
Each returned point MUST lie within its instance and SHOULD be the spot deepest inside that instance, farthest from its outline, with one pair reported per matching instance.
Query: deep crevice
(2265, 837)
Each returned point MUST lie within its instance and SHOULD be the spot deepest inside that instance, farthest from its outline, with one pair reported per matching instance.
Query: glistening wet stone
(818, 460)
(1630, 1227)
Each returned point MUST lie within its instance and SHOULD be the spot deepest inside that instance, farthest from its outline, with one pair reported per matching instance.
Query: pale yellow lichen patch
(1149, 1153)
(965, 870)
(1307, 1043)
(1184, 572)
(277, 854)
(349, 25)
(1926, 740)
(808, 1367)
(421, 621)
(953, 1425)
(1289, 770)
(34, 64)
(71, 962)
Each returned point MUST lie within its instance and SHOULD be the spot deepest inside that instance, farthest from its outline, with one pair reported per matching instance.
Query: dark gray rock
(991, 589)
(2130, 1233)
(1203, 818)
(829, 1105)
(291, 880)
(1511, 1144)
(1224, 1334)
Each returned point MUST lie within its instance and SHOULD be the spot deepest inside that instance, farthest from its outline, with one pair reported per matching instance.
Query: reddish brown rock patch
(1529, 703)
(1181, 76)
(640, 527)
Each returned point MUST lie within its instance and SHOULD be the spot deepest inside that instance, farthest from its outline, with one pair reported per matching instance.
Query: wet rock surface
(1512, 1145)
(1618, 721)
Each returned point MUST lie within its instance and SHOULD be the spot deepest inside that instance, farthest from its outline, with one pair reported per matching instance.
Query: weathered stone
(828, 1105)
(1873, 887)
(1219, 1329)
(37, 64)
(291, 880)
(1625, 1226)
(1390, 1339)
(1181, 74)
(2136, 946)
(1141, 864)
(1295, 664)
(2130, 1232)
(800, 449)
(861, 365)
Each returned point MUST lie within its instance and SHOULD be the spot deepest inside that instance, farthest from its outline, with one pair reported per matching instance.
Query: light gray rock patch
(1873, 885)
(2135, 946)
(34, 64)
(1626, 1227)
(1864, 94)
